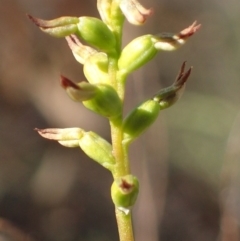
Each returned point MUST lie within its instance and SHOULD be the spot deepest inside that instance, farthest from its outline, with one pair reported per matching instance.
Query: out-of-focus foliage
(188, 162)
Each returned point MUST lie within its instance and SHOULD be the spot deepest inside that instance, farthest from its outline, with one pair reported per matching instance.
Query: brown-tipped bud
(59, 27)
(78, 92)
(168, 96)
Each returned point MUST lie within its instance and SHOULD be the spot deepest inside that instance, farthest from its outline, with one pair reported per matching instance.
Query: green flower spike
(145, 114)
(144, 48)
(124, 192)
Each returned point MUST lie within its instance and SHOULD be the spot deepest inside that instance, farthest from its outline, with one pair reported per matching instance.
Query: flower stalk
(106, 66)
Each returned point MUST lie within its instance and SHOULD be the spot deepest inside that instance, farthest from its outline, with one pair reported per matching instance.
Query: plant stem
(124, 225)
(124, 221)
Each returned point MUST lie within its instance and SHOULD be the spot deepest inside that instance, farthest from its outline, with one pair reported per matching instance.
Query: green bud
(96, 68)
(59, 27)
(98, 149)
(106, 102)
(140, 119)
(79, 92)
(124, 192)
(136, 53)
(145, 114)
(97, 34)
(144, 48)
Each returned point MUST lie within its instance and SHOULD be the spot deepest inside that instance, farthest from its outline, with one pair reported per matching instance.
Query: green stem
(124, 221)
(124, 226)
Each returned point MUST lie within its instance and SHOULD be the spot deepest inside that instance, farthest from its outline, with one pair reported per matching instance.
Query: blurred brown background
(187, 163)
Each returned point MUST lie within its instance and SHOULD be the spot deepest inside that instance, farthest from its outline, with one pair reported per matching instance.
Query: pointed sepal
(68, 137)
(59, 27)
(79, 92)
(168, 96)
(170, 41)
(134, 12)
(80, 52)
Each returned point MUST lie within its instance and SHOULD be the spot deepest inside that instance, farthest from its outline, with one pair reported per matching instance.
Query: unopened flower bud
(136, 53)
(96, 68)
(144, 48)
(134, 12)
(145, 114)
(124, 192)
(106, 102)
(80, 52)
(59, 27)
(139, 119)
(96, 33)
(168, 96)
(79, 92)
(97, 149)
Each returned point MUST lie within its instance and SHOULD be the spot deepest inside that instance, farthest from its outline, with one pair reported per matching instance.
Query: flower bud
(124, 192)
(144, 115)
(79, 92)
(134, 12)
(144, 48)
(168, 96)
(97, 149)
(97, 34)
(106, 102)
(59, 27)
(68, 137)
(80, 52)
(136, 53)
(138, 120)
(96, 68)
